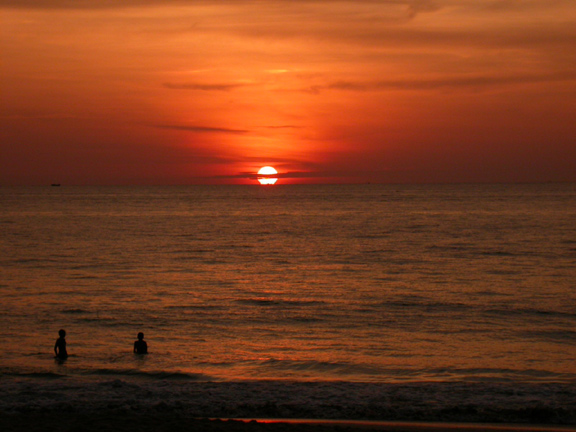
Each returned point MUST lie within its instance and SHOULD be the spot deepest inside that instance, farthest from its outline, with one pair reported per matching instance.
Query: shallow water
(309, 283)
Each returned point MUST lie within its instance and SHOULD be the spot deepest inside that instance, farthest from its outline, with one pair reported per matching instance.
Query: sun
(265, 175)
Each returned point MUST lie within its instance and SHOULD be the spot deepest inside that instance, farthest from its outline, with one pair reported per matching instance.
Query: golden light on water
(264, 175)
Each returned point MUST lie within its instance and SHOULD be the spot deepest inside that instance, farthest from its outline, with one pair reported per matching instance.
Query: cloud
(81, 4)
(363, 23)
(492, 36)
(195, 159)
(519, 5)
(319, 174)
(289, 174)
(35, 114)
(283, 127)
(290, 168)
(203, 87)
(419, 6)
(204, 129)
(414, 5)
(432, 84)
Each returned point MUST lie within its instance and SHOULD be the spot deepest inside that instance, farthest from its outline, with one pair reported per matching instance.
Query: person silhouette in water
(140, 346)
(60, 346)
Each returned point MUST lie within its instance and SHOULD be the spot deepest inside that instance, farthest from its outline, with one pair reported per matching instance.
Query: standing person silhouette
(60, 346)
(140, 346)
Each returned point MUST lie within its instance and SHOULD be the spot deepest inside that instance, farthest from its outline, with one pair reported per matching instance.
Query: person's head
(62, 333)
(140, 336)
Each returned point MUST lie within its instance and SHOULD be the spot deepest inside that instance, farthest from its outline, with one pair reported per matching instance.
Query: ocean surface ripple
(454, 289)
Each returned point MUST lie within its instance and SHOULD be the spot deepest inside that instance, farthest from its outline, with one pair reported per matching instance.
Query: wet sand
(168, 422)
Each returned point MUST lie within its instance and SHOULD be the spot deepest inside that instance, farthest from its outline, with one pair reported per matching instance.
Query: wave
(429, 305)
(262, 301)
(45, 375)
(565, 337)
(498, 375)
(315, 371)
(73, 311)
(531, 312)
(164, 375)
(195, 307)
(418, 302)
(104, 372)
(447, 374)
(503, 253)
(34, 261)
(337, 368)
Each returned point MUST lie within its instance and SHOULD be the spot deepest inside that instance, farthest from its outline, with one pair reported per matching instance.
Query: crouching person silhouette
(140, 346)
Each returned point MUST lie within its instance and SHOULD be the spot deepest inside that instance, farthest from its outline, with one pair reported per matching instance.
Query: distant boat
(55, 184)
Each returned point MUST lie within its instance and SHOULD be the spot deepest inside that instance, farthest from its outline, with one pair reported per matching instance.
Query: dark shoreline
(170, 422)
(172, 405)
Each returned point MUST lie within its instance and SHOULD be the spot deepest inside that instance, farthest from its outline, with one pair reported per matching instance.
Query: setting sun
(265, 173)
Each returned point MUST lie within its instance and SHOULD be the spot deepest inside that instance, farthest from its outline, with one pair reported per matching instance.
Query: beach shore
(100, 404)
(168, 422)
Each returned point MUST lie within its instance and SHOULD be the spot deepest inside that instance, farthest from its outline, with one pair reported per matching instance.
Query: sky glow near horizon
(207, 92)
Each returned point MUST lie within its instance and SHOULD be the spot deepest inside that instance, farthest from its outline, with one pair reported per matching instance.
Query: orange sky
(187, 92)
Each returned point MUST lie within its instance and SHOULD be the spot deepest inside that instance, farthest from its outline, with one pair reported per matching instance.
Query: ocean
(330, 289)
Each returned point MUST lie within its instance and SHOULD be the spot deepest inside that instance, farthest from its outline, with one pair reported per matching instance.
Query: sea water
(296, 283)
